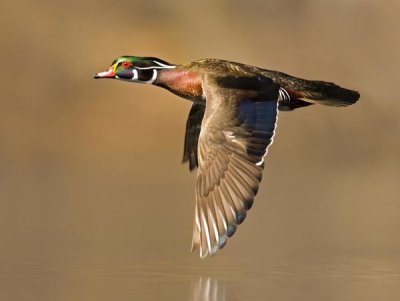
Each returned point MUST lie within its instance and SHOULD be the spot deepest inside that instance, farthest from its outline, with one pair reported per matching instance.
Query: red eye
(126, 64)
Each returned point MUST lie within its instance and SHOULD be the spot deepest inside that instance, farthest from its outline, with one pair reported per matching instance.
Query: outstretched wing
(237, 128)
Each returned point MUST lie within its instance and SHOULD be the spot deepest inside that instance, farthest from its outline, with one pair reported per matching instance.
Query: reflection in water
(88, 279)
(208, 289)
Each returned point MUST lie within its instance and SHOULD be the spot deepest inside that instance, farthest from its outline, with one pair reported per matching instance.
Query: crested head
(135, 69)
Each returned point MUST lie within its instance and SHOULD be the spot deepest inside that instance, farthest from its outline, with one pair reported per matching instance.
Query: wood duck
(230, 126)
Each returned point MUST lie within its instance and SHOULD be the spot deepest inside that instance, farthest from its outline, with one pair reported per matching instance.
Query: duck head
(135, 69)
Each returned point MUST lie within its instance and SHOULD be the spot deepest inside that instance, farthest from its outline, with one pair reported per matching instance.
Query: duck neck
(184, 83)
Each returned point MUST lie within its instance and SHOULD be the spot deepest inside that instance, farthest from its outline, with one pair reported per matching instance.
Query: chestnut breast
(184, 83)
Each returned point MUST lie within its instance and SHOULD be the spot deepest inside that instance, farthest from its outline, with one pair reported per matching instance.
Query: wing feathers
(229, 208)
(235, 134)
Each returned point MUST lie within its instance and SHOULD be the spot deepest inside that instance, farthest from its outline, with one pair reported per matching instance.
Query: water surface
(105, 280)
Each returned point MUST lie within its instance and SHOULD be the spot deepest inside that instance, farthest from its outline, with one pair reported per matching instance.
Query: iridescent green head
(134, 68)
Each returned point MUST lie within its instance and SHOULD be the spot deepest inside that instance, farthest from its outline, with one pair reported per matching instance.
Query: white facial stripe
(160, 65)
(155, 67)
(120, 60)
(164, 65)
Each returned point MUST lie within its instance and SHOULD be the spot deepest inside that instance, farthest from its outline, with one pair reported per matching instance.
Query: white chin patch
(135, 75)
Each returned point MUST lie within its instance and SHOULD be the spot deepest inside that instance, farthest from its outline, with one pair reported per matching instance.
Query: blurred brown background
(91, 170)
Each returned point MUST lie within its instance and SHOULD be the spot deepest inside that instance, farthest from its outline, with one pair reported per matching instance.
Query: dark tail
(304, 92)
(325, 93)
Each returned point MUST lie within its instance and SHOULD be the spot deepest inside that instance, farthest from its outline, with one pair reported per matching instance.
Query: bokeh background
(92, 189)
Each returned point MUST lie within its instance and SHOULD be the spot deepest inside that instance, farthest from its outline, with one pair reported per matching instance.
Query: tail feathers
(326, 93)
(302, 92)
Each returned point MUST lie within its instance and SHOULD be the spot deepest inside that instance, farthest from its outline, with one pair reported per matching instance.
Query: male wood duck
(230, 126)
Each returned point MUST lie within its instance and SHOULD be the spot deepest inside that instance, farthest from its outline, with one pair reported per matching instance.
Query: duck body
(230, 126)
(186, 81)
